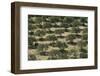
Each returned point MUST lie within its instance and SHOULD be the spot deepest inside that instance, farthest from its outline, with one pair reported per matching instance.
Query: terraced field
(57, 37)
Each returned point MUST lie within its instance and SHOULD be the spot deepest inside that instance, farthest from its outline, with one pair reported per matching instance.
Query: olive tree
(39, 33)
(51, 37)
(75, 30)
(61, 45)
(59, 31)
(73, 53)
(70, 38)
(32, 57)
(83, 53)
(42, 48)
(54, 54)
(30, 42)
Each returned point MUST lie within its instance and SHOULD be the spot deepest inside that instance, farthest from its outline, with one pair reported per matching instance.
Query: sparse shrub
(66, 30)
(45, 36)
(51, 37)
(32, 57)
(85, 36)
(42, 48)
(59, 31)
(53, 54)
(61, 45)
(30, 42)
(39, 33)
(78, 36)
(83, 50)
(70, 38)
(83, 55)
(44, 53)
(73, 53)
(85, 30)
(75, 30)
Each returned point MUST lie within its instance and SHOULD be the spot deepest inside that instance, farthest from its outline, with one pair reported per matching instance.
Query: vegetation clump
(57, 37)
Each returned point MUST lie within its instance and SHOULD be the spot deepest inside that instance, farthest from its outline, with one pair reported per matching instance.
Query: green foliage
(53, 54)
(50, 31)
(76, 23)
(70, 37)
(61, 45)
(51, 37)
(30, 42)
(83, 50)
(32, 57)
(73, 53)
(64, 54)
(31, 26)
(69, 19)
(85, 36)
(46, 25)
(42, 47)
(83, 19)
(37, 19)
(66, 30)
(77, 35)
(42, 39)
(84, 42)
(59, 31)
(58, 54)
(53, 19)
(83, 55)
(75, 30)
(30, 33)
(85, 30)
(55, 37)
(39, 33)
